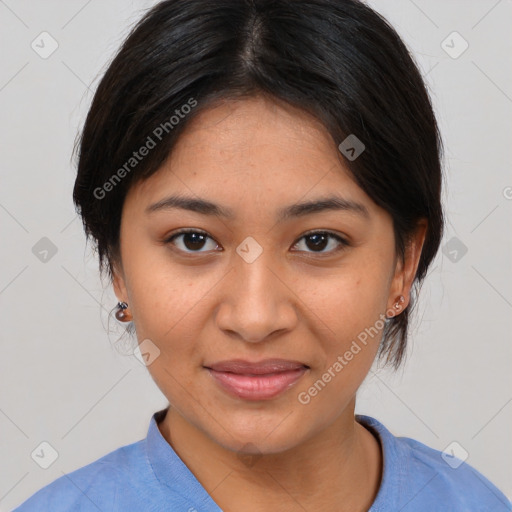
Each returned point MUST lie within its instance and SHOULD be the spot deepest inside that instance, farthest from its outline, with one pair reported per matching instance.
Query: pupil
(190, 239)
(320, 241)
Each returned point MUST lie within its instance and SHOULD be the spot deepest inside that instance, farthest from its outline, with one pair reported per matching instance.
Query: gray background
(64, 377)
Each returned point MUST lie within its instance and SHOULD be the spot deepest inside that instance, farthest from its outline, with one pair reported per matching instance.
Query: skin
(295, 302)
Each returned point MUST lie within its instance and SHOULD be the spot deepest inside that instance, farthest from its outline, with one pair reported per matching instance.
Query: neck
(340, 467)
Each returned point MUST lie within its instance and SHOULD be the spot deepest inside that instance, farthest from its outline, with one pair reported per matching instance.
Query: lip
(262, 380)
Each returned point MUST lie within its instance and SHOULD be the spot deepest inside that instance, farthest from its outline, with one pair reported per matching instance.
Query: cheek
(346, 311)
(166, 304)
(159, 294)
(167, 312)
(347, 300)
(347, 308)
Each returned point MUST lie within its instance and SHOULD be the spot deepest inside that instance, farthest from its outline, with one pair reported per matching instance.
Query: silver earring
(398, 302)
(397, 306)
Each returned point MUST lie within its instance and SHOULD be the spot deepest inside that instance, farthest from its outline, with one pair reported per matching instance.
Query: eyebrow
(205, 207)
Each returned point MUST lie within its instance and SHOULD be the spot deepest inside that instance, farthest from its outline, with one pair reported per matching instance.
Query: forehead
(253, 150)
(227, 123)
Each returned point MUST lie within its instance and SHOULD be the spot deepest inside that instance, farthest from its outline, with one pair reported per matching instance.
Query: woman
(262, 181)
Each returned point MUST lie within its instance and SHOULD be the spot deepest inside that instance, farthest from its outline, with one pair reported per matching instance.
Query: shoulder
(427, 479)
(94, 486)
(452, 479)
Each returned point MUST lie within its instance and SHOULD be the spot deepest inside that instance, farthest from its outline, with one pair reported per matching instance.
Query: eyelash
(343, 243)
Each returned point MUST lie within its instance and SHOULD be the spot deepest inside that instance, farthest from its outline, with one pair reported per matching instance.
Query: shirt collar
(393, 465)
(172, 472)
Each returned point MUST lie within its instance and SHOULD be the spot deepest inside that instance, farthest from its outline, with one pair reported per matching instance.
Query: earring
(397, 305)
(401, 301)
(121, 314)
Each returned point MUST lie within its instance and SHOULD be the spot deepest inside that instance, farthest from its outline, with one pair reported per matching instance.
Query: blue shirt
(149, 476)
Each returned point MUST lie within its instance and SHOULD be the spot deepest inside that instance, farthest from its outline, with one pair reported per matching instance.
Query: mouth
(261, 380)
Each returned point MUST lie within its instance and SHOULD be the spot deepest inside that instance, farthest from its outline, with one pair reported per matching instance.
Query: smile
(256, 381)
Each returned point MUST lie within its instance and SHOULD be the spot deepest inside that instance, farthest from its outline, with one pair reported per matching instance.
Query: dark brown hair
(336, 59)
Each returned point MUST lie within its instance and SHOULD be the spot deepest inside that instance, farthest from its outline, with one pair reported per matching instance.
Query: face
(257, 280)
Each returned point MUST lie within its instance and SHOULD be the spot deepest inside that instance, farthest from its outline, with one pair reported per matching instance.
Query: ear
(118, 282)
(406, 270)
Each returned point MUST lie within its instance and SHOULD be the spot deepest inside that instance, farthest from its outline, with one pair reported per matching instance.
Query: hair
(338, 60)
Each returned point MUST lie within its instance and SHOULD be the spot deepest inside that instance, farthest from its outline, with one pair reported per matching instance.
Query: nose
(256, 301)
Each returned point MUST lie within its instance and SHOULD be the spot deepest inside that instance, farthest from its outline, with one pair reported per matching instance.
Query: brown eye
(192, 241)
(319, 240)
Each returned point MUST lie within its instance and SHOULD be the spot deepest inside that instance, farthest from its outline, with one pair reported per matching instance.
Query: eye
(192, 240)
(319, 240)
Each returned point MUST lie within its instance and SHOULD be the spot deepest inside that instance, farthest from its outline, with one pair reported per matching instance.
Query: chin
(259, 433)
